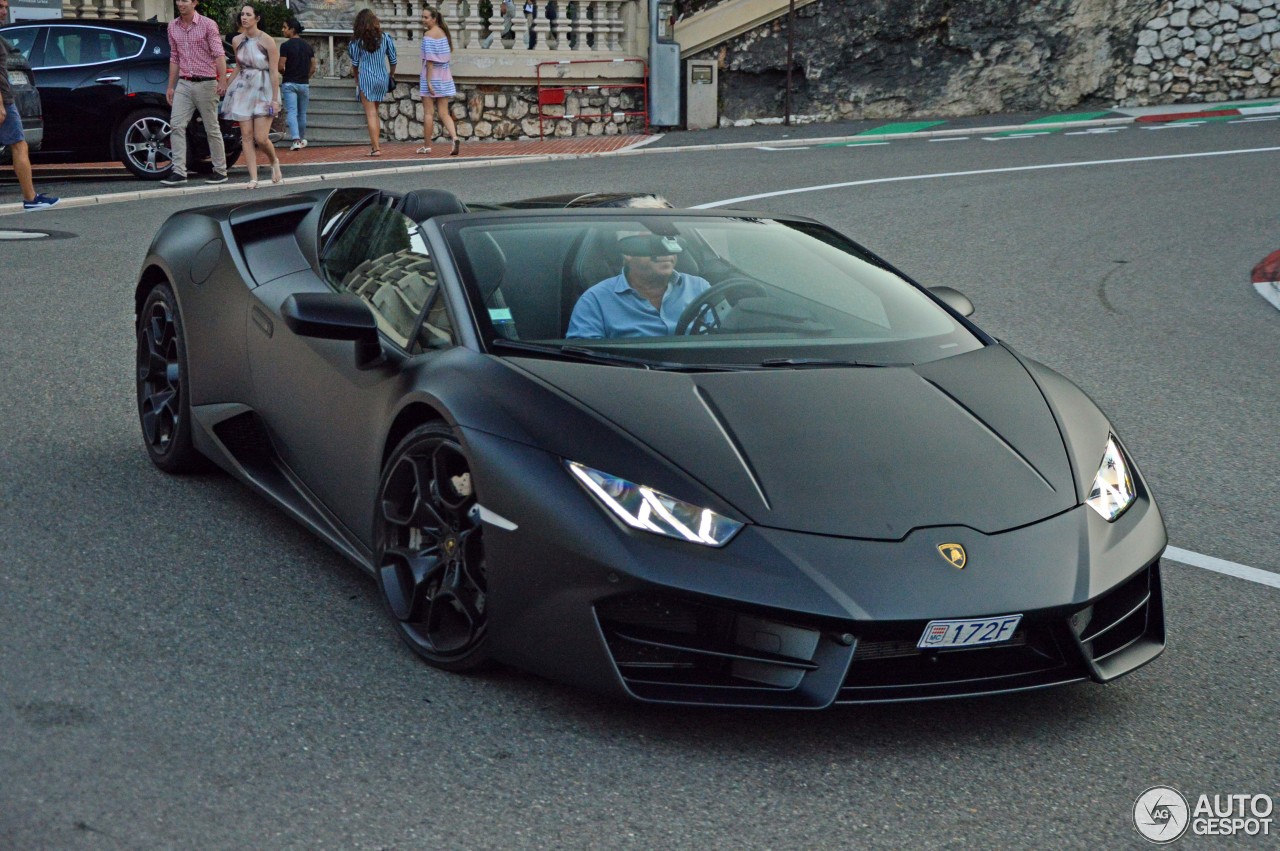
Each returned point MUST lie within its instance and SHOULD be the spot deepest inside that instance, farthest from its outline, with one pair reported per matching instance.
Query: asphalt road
(183, 667)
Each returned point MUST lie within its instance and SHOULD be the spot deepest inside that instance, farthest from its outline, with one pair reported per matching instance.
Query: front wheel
(142, 141)
(164, 405)
(429, 550)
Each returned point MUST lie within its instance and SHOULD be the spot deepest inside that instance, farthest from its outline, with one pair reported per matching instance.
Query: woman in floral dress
(436, 84)
(253, 95)
(371, 52)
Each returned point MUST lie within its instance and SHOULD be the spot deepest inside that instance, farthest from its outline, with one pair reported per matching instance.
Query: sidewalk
(392, 152)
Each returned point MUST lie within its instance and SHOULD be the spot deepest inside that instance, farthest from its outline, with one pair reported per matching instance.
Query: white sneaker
(297, 145)
(304, 143)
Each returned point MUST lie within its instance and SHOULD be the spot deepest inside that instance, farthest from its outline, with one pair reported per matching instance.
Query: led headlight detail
(644, 508)
(1112, 490)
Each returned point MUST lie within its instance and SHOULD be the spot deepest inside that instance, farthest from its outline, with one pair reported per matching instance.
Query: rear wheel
(430, 550)
(164, 408)
(142, 141)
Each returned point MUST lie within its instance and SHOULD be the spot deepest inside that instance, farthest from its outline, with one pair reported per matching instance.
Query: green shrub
(226, 14)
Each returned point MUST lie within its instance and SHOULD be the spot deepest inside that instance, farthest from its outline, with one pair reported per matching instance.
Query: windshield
(684, 289)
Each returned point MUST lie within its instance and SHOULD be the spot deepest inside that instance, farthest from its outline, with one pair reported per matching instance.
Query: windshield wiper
(595, 355)
(819, 363)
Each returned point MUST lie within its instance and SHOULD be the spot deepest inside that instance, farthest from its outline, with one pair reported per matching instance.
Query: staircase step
(336, 122)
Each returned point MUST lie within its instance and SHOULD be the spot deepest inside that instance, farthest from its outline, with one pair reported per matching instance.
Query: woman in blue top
(371, 51)
(436, 85)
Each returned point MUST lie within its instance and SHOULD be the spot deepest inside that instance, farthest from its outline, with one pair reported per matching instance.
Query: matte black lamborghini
(822, 484)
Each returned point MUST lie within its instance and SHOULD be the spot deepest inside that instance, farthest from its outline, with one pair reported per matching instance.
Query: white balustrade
(580, 26)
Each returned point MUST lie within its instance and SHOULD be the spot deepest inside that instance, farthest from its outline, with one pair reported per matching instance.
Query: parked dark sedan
(102, 84)
(26, 98)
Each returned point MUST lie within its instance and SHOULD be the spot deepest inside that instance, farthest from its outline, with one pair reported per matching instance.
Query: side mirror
(954, 299)
(335, 316)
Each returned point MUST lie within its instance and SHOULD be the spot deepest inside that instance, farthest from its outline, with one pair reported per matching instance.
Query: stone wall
(511, 112)
(899, 58)
(1200, 50)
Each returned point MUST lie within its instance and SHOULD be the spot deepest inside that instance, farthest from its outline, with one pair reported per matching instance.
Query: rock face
(896, 58)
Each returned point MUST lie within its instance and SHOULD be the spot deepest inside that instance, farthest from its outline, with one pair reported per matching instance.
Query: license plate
(973, 632)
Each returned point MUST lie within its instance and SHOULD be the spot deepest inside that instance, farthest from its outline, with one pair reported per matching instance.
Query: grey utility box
(702, 98)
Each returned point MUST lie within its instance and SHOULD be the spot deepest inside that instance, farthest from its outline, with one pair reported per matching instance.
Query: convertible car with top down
(809, 480)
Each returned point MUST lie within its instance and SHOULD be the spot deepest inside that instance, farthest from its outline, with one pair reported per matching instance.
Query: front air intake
(669, 649)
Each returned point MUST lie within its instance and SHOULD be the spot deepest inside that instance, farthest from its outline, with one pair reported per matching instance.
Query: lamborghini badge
(954, 554)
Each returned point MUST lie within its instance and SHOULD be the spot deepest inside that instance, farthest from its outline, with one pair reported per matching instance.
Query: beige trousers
(188, 99)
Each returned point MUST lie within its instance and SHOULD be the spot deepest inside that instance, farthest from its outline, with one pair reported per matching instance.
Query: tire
(164, 405)
(142, 142)
(429, 550)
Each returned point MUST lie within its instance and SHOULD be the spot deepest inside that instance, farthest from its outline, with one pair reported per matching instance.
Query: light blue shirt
(612, 308)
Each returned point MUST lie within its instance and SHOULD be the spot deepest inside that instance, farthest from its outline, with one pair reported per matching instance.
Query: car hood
(855, 452)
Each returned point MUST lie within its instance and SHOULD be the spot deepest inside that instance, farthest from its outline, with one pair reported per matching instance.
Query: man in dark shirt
(11, 132)
(297, 65)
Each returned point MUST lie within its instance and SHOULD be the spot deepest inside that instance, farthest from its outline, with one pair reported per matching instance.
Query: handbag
(391, 85)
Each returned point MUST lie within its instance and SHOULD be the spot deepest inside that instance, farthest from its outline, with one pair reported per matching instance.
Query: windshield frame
(453, 226)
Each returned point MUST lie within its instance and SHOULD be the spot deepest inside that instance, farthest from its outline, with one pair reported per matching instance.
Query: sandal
(457, 145)
(425, 149)
(374, 152)
(276, 177)
(252, 184)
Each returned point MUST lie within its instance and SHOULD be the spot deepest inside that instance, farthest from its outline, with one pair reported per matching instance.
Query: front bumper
(787, 619)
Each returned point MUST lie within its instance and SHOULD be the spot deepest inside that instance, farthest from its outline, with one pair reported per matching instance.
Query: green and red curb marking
(1266, 278)
(1224, 112)
(871, 137)
(1045, 126)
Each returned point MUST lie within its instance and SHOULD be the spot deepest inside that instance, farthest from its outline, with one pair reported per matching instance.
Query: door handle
(108, 80)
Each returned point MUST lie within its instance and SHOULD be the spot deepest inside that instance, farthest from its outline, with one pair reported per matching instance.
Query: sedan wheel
(143, 142)
(430, 551)
(164, 409)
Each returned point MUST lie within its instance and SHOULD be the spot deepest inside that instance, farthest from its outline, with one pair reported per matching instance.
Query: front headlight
(644, 508)
(1112, 490)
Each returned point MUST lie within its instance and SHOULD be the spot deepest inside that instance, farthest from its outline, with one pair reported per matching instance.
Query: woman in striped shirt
(436, 84)
(371, 51)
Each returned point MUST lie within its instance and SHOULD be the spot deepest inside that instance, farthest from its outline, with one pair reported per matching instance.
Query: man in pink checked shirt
(197, 79)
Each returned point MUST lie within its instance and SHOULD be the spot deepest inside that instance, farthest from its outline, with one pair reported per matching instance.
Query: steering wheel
(700, 316)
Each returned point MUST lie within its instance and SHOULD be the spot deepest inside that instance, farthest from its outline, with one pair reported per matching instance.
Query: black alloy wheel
(430, 550)
(164, 409)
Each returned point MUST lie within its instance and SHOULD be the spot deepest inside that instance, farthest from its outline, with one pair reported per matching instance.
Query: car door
(81, 83)
(326, 414)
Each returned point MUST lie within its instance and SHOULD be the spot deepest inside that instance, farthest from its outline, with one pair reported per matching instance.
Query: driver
(645, 300)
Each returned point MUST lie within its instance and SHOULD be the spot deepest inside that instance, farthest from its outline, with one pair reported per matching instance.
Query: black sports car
(103, 88)
(817, 483)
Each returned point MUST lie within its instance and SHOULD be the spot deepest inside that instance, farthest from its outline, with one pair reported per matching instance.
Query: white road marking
(950, 139)
(1175, 125)
(863, 144)
(1255, 118)
(1094, 131)
(784, 148)
(1217, 565)
(1015, 136)
(945, 174)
